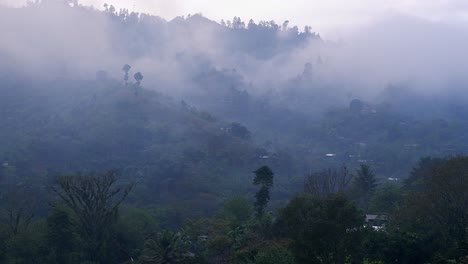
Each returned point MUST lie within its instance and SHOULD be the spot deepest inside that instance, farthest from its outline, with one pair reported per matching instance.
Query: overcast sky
(331, 18)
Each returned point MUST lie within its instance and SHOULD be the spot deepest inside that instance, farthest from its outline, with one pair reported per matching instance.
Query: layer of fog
(54, 40)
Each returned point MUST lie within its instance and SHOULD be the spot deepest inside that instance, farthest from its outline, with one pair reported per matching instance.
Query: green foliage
(166, 248)
(264, 178)
(364, 186)
(237, 210)
(276, 256)
(179, 154)
(94, 202)
(386, 199)
(372, 262)
(27, 247)
(400, 246)
(436, 206)
(132, 228)
(323, 230)
(60, 236)
(273, 255)
(187, 161)
(310, 229)
(18, 206)
(262, 197)
(144, 221)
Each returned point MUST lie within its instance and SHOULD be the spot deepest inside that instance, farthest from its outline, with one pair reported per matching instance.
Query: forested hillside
(126, 138)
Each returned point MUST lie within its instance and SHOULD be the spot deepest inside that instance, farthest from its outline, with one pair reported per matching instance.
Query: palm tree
(167, 248)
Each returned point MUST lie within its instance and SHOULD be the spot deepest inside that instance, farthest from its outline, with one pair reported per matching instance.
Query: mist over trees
(127, 138)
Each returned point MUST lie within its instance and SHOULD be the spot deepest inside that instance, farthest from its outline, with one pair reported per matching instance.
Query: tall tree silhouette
(126, 68)
(365, 184)
(264, 178)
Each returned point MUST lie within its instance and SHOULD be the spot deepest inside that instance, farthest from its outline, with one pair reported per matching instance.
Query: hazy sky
(331, 18)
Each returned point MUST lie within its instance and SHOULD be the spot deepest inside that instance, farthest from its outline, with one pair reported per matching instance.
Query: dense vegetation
(425, 222)
(177, 157)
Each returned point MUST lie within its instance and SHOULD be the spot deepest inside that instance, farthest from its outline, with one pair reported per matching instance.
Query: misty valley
(129, 138)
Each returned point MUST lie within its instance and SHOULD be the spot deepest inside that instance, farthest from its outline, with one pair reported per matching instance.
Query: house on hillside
(377, 222)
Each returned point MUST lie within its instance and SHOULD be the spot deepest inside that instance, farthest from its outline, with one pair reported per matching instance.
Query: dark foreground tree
(436, 205)
(60, 238)
(18, 210)
(327, 230)
(365, 184)
(167, 248)
(264, 178)
(93, 202)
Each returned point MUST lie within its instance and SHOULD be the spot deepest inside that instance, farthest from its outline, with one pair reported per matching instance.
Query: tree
(386, 199)
(262, 197)
(323, 230)
(365, 184)
(167, 248)
(126, 68)
(60, 238)
(273, 254)
(94, 202)
(356, 106)
(237, 210)
(237, 23)
(239, 131)
(19, 210)
(324, 183)
(437, 199)
(308, 70)
(285, 25)
(264, 178)
(251, 25)
(112, 9)
(138, 77)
